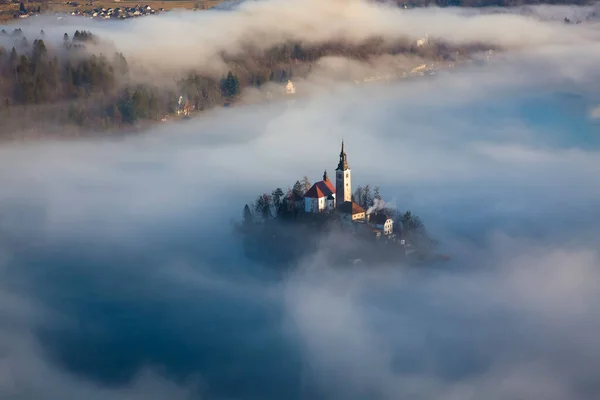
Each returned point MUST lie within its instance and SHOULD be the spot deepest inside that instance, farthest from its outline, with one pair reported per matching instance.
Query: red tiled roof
(320, 189)
(330, 185)
(349, 207)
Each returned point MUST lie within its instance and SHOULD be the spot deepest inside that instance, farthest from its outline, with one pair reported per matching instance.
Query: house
(351, 212)
(184, 107)
(320, 197)
(289, 88)
(423, 41)
(381, 222)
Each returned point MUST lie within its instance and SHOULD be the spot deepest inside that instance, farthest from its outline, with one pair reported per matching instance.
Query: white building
(382, 223)
(290, 88)
(320, 197)
(351, 212)
(324, 197)
(423, 41)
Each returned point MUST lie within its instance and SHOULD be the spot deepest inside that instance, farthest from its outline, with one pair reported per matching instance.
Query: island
(328, 220)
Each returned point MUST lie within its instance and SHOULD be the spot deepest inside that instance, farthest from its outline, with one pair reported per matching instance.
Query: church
(323, 196)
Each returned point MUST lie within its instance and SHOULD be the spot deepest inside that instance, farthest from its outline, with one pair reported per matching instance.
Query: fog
(121, 277)
(197, 40)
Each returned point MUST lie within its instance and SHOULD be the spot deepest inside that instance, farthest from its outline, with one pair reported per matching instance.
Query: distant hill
(66, 86)
(482, 3)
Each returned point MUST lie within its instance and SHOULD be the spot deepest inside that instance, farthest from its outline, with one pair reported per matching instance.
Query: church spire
(343, 180)
(343, 164)
(325, 176)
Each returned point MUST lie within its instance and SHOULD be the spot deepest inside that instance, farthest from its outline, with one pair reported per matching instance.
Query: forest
(74, 89)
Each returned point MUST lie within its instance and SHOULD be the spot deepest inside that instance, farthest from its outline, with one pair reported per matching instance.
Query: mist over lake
(121, 277)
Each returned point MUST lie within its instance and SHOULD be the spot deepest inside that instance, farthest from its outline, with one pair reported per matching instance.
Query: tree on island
(277, 198)
(410, 222)
(376, 195)
(248, 218)
(298, 189)
(280, 216)
(364, 198)
(306, 185)
(263, 205)
(22, 8)
(413, 230)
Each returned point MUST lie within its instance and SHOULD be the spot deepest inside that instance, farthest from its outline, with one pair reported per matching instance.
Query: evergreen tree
(248, 217)
(127, 108)
(376, 194)
(40, 92)
(263, 206)
(230, 86)
(411, 223)
(120, 64)
(14, 58)
(24, 88)
(39, 52)
(22, 8)
(298, 189)
(297, 52)
(277, 197)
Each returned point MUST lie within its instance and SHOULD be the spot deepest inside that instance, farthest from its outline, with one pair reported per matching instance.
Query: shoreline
(70, 133)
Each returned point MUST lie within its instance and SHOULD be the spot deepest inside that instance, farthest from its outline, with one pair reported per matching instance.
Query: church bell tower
(343, 180)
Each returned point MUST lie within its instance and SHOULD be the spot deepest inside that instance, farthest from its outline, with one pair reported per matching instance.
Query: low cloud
(197, 40)
(121, 277)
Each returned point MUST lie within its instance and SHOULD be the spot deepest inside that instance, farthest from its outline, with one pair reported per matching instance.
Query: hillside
(78, 91)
